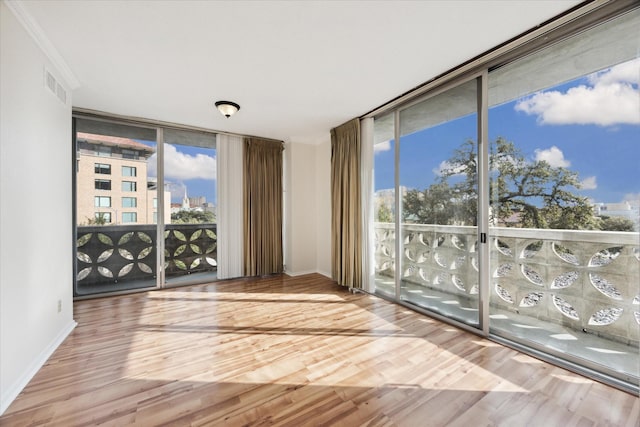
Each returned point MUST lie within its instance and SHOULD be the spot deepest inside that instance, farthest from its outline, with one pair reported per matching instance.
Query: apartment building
(112, 183)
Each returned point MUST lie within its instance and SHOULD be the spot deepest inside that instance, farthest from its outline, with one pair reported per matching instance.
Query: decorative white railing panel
(585, 280)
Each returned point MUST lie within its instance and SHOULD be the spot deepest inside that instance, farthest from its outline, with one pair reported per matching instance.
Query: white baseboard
(14, 390)
(325, 274)
(300, 273)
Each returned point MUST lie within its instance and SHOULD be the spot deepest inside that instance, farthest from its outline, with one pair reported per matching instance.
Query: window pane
(102, 218)
(438, 184)
(102, 151)
(102, 168)
(128, 217)
(116, 235)
(102, 184)
(129, 186)
(190, 176)
(102, 201)
(565, 199)
(384, 206)
(129, 202)
(128, 171)
(130, 154)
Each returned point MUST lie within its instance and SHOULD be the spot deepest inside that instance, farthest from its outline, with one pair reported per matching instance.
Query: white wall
(323, 207)
(300, 209)
(307, 208)
(35, 211)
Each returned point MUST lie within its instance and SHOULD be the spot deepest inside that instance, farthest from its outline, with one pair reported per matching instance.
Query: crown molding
(38, 35)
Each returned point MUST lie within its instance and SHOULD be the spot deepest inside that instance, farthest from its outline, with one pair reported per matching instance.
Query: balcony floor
(86, 290)
(620, 358)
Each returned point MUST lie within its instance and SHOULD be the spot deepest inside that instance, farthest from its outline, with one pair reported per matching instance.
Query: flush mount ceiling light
(227, 108)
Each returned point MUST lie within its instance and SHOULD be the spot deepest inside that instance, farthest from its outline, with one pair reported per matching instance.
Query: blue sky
(186, 167)
(590, 125)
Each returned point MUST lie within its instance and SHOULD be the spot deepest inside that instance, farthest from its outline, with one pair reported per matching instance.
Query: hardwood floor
(294, 352)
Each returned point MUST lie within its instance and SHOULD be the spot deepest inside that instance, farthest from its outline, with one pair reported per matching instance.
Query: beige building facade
(112, 184)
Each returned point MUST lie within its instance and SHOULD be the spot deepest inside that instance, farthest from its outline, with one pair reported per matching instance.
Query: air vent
(61, 94)
(54, 87)
(49, 81)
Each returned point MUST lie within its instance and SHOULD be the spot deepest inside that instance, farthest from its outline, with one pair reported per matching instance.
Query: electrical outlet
(59, 305)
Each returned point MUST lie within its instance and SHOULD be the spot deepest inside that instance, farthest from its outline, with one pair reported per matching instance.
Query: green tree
(541, 195)
(99, 219)
(384, 214)
(616, 223)
(434, 205)
(192, 217)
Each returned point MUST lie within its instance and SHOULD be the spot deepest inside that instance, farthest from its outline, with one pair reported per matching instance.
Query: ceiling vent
(54, 87)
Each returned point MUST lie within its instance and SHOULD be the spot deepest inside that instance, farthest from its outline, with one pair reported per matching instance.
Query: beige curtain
(262, 167)
(346, 229)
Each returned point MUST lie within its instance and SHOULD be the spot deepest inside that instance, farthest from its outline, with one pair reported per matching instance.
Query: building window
(128, 171)
(102, 201)
(129, 202)
(155, 217)
(103, 217)
(103, 151)
(128, 217)
(129, 154)
(102, 168)
(155, 203)
(103, 184)
(129, 186)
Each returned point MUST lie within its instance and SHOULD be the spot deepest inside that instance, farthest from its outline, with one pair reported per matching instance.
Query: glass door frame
(160, 282)
(483, 201)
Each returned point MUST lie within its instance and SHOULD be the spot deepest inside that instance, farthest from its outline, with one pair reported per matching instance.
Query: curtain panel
(230, 204)
(367, 188)
(262, 168)
(346, 212)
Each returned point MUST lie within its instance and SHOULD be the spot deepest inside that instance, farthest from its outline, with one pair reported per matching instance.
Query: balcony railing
(116, 254)
(584, 280)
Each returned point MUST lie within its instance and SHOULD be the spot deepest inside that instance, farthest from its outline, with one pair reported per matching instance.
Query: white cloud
(177, 190)
(589, 183)
(181, 166)
(632, 197)
(448, 167)
(611, 98)
(382, 146)
(554, 156)
(627, 72)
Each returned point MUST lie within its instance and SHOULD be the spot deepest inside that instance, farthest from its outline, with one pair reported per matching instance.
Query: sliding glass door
(439, 203)
(190, 239)
(426, 194)
(116, 215)
(384, 205)
(564, 127)
(532, 236)
(145, 207)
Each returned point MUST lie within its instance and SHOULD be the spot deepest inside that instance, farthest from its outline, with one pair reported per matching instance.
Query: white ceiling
(296, 68)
